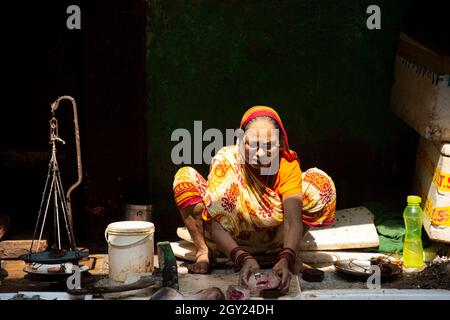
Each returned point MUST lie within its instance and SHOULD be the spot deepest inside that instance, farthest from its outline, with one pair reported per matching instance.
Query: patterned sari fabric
(247, 208)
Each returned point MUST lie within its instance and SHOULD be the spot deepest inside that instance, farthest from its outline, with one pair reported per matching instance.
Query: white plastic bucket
(130, 248)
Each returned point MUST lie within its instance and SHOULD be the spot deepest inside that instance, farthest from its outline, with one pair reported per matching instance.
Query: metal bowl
(361, 268)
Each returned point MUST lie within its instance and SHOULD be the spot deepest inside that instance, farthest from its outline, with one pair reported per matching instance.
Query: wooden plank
(352, 229)
(98, 264)
(12, 249)
(184, 250)
(183, 233)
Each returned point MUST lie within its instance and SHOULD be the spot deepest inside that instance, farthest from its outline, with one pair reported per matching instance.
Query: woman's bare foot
(192, 216)
(201, 264)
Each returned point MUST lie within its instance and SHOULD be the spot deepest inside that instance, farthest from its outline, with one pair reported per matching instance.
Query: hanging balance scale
(59, 259)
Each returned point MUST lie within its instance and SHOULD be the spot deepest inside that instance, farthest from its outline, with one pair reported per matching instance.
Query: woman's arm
(292, 224)
(293, 231)
(225, 243)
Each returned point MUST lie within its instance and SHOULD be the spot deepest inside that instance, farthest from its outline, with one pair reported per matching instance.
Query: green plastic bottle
(412, 246)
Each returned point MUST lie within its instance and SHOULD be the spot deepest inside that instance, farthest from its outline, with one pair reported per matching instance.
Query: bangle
(290, 250)
(291, 262)
(240, 259)
(234, 251)
(289, 255)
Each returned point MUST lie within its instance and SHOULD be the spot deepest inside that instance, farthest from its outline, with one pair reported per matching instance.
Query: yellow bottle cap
(414, 200)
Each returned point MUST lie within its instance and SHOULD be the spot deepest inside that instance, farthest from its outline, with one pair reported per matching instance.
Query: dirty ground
(436, 276)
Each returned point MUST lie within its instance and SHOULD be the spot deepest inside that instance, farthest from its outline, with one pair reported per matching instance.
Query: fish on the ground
(263, 281)
(238, 293)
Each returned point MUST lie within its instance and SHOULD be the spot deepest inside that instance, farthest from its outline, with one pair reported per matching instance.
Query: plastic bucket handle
(128, 244)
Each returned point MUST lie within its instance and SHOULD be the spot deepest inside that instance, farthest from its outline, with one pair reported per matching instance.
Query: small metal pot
(138, 212)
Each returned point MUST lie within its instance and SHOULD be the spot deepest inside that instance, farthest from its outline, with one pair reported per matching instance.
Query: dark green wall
(313, 61)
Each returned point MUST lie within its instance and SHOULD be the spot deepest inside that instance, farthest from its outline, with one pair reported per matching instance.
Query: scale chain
(57, 213)
(40, 207)
(64, 208)
(45, 216)
(55, 189)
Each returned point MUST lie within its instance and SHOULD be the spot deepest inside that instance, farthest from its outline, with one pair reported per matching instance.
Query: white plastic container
(130, 248)
(432, 183)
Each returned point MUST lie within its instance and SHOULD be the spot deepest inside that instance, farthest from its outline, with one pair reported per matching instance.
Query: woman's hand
(249, 267)
(281, 269)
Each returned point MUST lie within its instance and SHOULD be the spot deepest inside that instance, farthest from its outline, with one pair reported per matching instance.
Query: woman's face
(261, 141)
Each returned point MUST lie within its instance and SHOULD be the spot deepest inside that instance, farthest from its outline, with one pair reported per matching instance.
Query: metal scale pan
(51, 272)
(54, 257)
(54, 197)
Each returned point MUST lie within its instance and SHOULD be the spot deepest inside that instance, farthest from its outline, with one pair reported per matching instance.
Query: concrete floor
(333, 287)
(341, 287)
(332, 280)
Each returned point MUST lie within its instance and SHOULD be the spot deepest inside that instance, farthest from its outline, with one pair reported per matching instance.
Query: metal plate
(361, 268)
(38, 271)
(54, 257)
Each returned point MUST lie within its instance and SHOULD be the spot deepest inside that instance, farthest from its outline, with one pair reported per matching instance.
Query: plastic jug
(412, 246)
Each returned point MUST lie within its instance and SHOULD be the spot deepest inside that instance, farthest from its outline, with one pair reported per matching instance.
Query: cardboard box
(432, 183)
(421, 91)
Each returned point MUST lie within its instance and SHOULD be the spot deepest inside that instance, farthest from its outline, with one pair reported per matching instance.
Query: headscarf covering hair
(264, 111)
